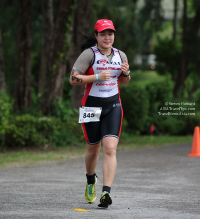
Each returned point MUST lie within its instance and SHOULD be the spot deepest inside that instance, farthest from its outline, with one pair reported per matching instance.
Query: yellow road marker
(79, 209)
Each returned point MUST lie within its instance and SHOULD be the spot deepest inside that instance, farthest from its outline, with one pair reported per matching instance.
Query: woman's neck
(105, 51)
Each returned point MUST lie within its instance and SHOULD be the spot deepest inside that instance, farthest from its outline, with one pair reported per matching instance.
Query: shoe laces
(90, 187)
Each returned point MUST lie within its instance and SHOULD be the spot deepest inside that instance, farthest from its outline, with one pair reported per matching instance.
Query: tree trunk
(179, 85)
(197, 20)
(47, 43)
(55, 79)
(175, 19)
(195, 41)
(81, 24)
(23, 85)
(2, 72)
(196, 29)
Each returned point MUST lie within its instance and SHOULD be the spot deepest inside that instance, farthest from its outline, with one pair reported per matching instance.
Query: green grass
(143, 78)
(32, 157)
(29, 158)
(152, 141)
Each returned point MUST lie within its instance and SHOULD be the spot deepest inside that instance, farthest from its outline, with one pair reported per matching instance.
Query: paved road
(152, 183)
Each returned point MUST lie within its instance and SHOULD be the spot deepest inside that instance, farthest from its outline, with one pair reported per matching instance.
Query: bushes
(70, 131)
(141, 107)
(191, 122)
(168, 56)
(135, 104)
(61, 129)
(170, 125)
(158, 94)
(5, 108)
(30, 130)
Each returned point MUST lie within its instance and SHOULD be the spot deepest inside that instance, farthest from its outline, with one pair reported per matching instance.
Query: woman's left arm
(125, 76)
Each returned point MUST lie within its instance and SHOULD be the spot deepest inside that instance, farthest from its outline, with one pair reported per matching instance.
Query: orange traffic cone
(195, 151)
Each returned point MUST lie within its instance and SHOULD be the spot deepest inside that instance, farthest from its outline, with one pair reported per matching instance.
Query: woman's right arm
(78, 79)
(81, 65)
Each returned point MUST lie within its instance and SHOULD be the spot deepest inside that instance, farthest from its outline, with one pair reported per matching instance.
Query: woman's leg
(91, 160)
(110, 160)
(91, 157)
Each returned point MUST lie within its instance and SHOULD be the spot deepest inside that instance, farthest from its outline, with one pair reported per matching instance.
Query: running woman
(101, 68)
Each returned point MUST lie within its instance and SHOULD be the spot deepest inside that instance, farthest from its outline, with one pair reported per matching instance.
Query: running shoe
(90, 192)
(105, 200)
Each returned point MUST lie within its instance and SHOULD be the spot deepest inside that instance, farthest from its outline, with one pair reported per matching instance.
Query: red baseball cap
(104, 24)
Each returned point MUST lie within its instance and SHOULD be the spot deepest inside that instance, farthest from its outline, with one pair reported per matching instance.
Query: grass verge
(27, 157)
(133, 142)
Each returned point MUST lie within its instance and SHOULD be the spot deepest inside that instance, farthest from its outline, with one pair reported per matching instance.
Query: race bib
(89, 114)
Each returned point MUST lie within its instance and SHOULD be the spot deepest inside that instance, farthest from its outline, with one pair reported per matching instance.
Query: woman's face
(105, 39)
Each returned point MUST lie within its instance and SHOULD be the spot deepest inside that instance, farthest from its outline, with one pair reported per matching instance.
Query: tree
(81, 24)
(175, 19)
(194, 45)
(179, 83)
(125, 18)
(59, 47)
(150, 19)
(196, 28)
(8, 24)
(2, 72)
(24, 38)
(47, 43)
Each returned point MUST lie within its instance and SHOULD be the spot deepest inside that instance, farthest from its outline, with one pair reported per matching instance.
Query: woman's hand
(125, 67)
(104, 75)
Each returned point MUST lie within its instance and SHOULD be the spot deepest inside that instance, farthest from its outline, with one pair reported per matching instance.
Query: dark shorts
(110, 124)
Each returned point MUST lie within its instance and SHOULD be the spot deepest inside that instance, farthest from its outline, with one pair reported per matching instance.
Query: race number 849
(89, 114)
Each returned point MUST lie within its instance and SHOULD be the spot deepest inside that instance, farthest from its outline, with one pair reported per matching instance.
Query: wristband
(125, 75)
(97, 76)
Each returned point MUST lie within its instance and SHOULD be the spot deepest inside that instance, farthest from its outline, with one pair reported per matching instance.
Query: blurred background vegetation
(40, 41)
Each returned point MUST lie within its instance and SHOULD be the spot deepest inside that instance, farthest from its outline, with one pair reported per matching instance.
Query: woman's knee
(110, 149)
(110, 152)
(110, 145)
(93, 150)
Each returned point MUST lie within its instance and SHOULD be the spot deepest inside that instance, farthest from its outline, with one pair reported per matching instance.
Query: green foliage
(8, 25)
(150, 19)
(70, 131)
(67, 89)
(168, 60)
(30, 130)
(159, 93)
(191, 122)
(143, 78)
(135, 104)
(176, 124)
(170, 125)
(142, 104)
(60, 130)
(5, 109)
(196, 98)
(123, 14)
